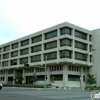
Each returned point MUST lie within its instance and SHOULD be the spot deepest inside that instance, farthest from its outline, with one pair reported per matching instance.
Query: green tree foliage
(34, 79)
(91, 79)
(18, 78)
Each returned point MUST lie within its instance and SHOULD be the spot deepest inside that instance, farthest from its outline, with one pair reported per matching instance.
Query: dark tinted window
(37, 39)
(25, 42)
(51, 34)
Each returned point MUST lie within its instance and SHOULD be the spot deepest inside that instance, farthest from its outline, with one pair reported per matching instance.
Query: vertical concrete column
(65, 76)
(24, 78)
(73, 45)
(88, 46)
(34, 71)
(58, 44)
(29, 59)
(5, 76)
(48, 75)
(42, 48)
(14, 76)
(29, 50)
(81, 77)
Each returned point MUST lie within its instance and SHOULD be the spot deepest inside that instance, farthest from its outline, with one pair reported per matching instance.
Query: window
(65, 42)
(5, 63)
(73, 77)
(14, 54)
(65, 54)
(40, 77)
(0, 57)
(66, 31)
(51, 34)
(6, 56)
(51, 56)
(80, 56)
(51, 45)
(90, 48)
(58, 77)
(24, 51)
(90, 37)
(24, 60)
(25, 42)
(14, 62)
(6, 48)
(14, 46)
(36, 48)
(80, 35)
(74, 68)
(36, 58)
(0, 50)
(80, 45)
(90, 58)
(37, 39)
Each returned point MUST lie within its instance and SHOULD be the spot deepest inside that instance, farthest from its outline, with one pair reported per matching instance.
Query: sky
(19, 18)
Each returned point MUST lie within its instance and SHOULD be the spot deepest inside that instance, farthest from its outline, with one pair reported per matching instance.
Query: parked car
(1, 86)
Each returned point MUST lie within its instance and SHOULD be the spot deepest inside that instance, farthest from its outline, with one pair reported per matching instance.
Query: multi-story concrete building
(68, 49)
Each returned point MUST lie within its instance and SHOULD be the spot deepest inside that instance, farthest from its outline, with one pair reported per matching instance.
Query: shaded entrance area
(10, 80)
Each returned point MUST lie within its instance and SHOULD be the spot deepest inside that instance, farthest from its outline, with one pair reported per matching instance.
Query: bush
(25, 85)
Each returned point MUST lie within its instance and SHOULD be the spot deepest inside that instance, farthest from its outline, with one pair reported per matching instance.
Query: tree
(34, 79)
(18, 78)
(91, 79)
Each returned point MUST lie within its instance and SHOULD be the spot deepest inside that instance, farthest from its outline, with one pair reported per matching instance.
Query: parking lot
(10, 93)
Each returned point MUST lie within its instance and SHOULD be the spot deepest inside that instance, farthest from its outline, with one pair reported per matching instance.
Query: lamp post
(45, 71)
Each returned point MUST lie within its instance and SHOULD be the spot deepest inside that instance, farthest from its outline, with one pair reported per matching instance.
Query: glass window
(65, 54)
(73, 77)
(14, 46)
(14, 62)
(36, 48)
(24, 51)
(51, 56)
(90, 37)
(5, 63)
(14, 54)
(51, 45)
(0, 50)
(36, 58)
(66, 31)
(80, 35)
(65, 42)
(25, 42)
(37, 39)
(6, 56)
(80, 45)
(80, 56)
(51, 34)
(6, 48)
(24, 60)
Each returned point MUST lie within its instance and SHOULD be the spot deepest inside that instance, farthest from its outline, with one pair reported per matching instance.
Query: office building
(68, 49)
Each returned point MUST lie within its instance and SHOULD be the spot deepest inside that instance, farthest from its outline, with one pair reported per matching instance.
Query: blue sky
(19, 18)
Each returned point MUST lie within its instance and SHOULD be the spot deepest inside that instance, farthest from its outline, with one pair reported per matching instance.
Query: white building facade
(69, 56)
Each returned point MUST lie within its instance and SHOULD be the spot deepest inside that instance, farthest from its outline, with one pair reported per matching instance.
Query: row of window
(55, 78)
(48, 36)
(51, 56)
(74, 68)
(47, 46)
